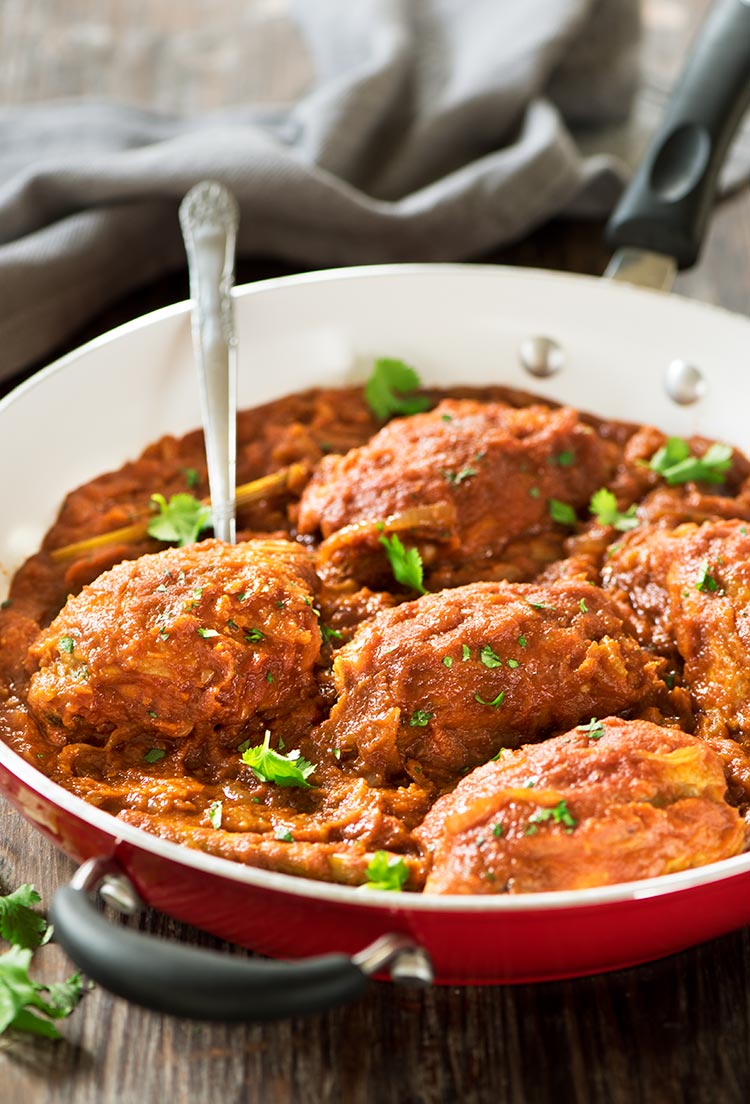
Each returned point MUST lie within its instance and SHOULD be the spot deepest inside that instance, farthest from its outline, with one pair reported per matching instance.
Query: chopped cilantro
(420, 718)
(329, 634)
(456, 478)
(705, 581)
(282, 833)
(559, 814)
(153, 755)
(406, 566)
(253, 636)
(582, 606)
(214, 814)
(387, 389)
(564, 459)
(594, 729)
(447, 661)
(513, 663)
(677, 464)
(206, 633)
(497, 830)
(446, 417)
(494, 703)
(465, 652)
(65, 644)
(561, 512)
(386, 871)
(603, 506)
(534, 492)
(522, 641)
(283, 770)
(180, 520)
(231, 624)
(489, 658)
(269, 676)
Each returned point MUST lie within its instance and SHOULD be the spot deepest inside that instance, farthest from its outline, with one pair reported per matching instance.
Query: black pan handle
(666, 206)
(207, 985)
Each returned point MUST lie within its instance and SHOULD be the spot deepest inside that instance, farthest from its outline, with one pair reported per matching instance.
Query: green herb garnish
(594, 729)
(19, 924)
(180, 520)
(489, 657)
(456, 478)
(561, 512)
(447, 661)
(603, 506)
(465, 652)
(191, 477)
(497, 830)
(386, 871)
(495, 703)
(252, 636)
(560, 814)
(22, 999)
(206, 633)
(282, 833)
(420, 718)
(405, 565)
(387, 389)
(678, 465)
(214, 813)
(153, 755)
(564, 459)
(283, 770)
(705, 581)
(65, 645)
(328, 633)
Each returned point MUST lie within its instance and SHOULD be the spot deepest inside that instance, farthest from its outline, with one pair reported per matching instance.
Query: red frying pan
(604, 345)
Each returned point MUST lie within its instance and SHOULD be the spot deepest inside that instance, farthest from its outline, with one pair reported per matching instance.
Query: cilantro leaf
(489, 657)
(559, 814)
(594, 729)
(180, 520)
(386, 871)
(386, 391)
(705, 580)
(603, 506)
(420, 718)
(677, 464)
(19, 924)
(270, 766)
(21, 998)
(406, 566)
(562, 512)
(215, 813)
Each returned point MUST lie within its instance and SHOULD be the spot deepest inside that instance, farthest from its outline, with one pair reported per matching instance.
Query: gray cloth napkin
(435, 130)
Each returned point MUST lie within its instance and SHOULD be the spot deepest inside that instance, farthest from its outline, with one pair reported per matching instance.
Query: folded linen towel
(435, 130)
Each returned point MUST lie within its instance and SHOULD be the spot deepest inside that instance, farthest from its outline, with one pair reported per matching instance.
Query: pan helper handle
(206, 985)
(666, 207)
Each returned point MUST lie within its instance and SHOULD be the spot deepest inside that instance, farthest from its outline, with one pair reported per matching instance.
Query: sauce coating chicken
(173, 644)
(687, 591)
(439, 685)
(612, 801)
(492, 475)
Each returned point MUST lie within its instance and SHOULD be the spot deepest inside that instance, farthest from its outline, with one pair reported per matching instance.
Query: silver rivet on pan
(684, 383)
(412, 967)
(541, 356)
(119, 892)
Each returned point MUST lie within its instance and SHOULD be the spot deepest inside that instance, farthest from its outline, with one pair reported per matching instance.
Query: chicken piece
(178, 643)
(490, 469)
(612, 801)
(434, 687)
(687, 591)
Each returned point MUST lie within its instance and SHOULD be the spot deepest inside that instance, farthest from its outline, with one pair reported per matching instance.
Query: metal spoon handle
(209, 217)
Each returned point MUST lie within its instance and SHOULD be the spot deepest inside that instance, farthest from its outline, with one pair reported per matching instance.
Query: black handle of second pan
(666, 207)
(191, 982)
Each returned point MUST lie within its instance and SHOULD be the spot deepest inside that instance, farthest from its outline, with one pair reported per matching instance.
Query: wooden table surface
(672, 1031)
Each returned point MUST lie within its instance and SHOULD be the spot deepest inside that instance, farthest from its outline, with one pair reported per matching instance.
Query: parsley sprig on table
(604, 507)
(180, 520)
(677, 464)
(387, 389)
(27, 1005)
(271, 766)
(386, 871)
(405, 565)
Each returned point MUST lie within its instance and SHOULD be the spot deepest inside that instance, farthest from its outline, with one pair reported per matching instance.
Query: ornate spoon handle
(209, 217)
